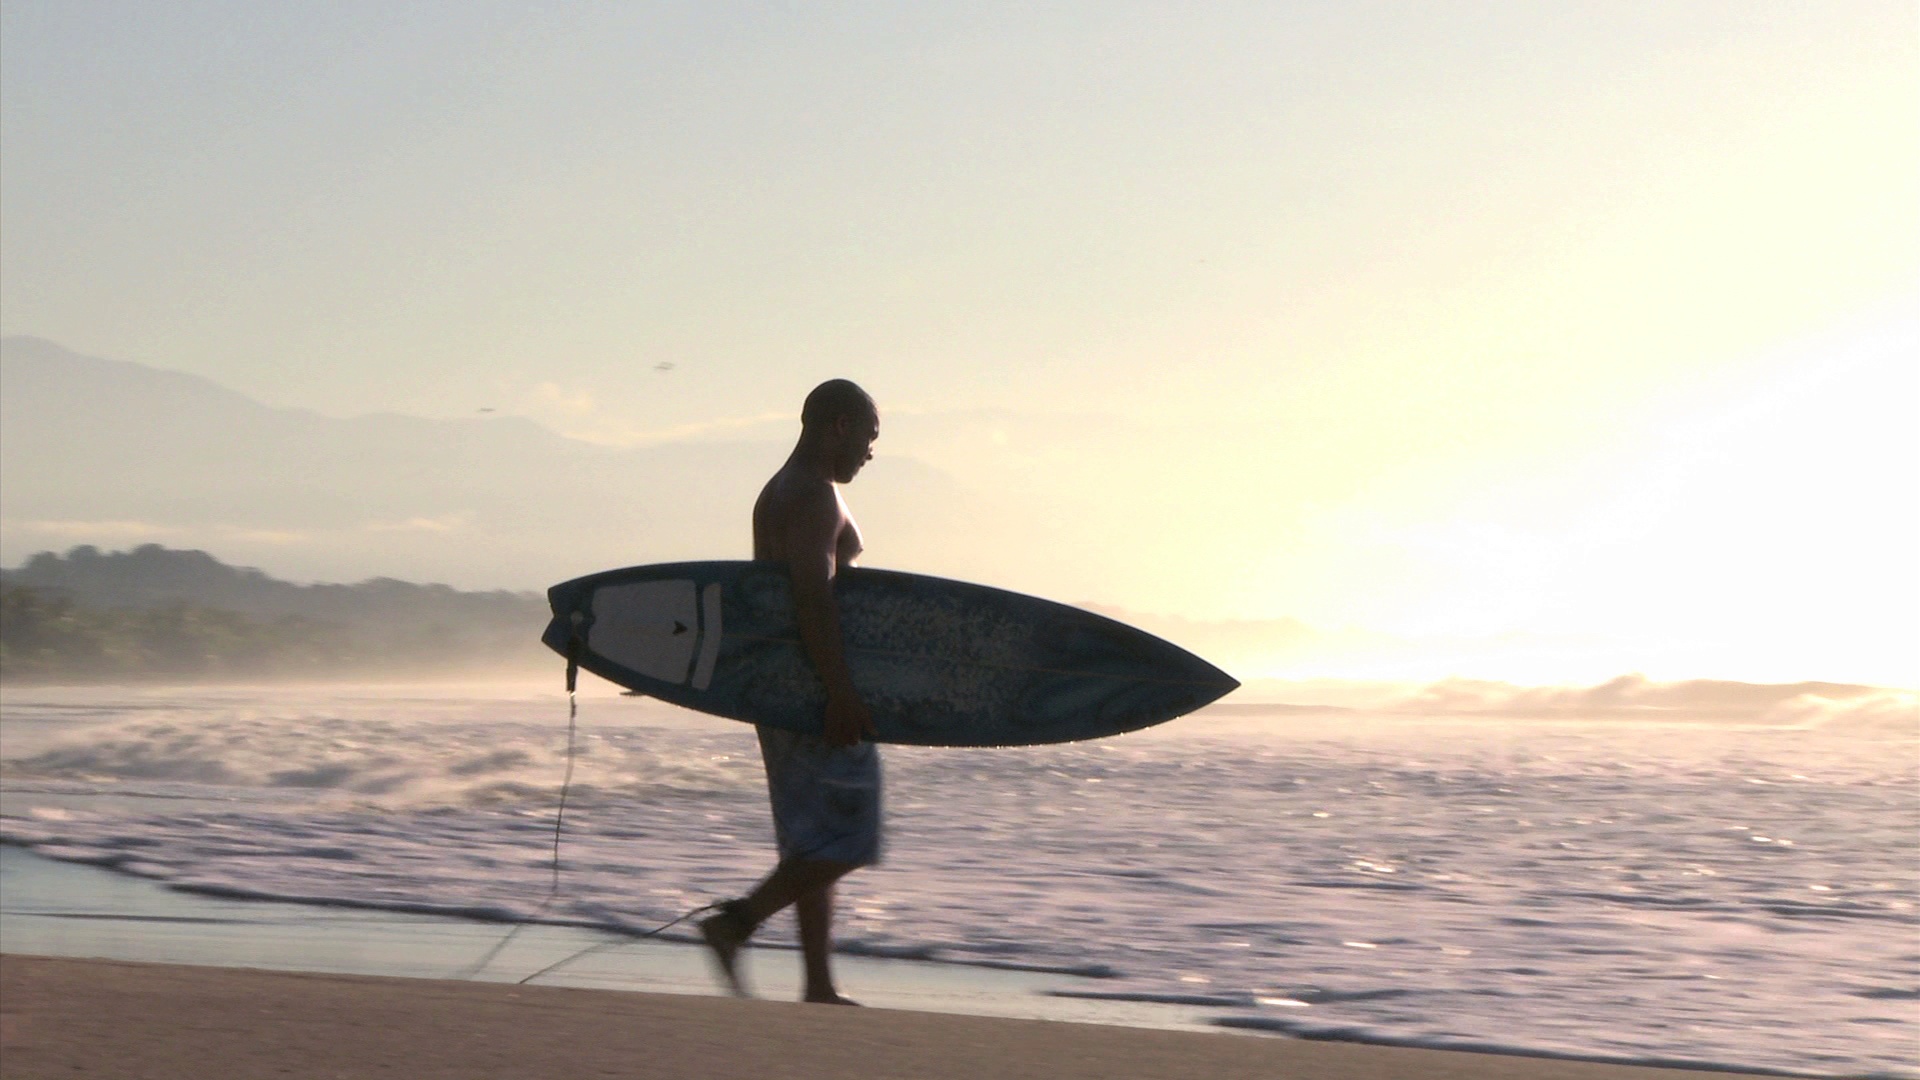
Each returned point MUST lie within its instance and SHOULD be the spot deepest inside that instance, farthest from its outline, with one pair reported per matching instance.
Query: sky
(1561, 339)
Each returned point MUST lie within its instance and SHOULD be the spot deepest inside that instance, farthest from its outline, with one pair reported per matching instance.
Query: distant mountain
(156, 612)
(151, 575)
(108, 452)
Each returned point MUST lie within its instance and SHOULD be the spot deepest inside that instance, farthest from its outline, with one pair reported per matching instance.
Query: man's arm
(812, 533)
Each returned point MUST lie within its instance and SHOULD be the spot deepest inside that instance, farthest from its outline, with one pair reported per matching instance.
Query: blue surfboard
(939, 662)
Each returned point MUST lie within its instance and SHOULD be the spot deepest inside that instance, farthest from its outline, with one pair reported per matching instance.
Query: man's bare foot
(829, 998)
(725, 932)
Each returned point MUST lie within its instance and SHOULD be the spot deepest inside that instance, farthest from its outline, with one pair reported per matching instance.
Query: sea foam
(1721, 893)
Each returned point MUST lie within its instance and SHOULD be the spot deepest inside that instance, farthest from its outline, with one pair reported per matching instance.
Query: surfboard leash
(628, 939)
(566, 778)
(559, 827)
(623, 939)
(560, 812)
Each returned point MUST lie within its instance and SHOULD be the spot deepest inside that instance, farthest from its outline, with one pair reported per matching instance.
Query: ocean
(1708, 887)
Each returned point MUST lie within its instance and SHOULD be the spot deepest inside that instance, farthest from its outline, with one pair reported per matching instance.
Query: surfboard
(939, 662)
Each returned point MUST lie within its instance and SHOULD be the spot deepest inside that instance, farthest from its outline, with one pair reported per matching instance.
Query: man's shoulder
(792, 483)
(790, 494)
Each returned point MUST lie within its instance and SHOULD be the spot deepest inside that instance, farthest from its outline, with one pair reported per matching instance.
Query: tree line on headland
(161, 614)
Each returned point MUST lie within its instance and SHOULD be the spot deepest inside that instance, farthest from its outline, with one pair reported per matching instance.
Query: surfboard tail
(556, 634)
(572, 606)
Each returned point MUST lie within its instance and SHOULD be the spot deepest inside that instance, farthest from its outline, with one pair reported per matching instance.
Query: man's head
(840, 418)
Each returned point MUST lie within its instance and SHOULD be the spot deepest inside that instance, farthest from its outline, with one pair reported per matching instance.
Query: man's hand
(848, 719)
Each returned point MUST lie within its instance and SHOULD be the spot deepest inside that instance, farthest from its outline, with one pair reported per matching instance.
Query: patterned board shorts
(826, 799)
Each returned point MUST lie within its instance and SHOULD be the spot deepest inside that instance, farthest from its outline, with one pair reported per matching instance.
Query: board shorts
(826, 799)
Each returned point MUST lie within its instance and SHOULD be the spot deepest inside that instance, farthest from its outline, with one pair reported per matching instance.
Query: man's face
(857, 434)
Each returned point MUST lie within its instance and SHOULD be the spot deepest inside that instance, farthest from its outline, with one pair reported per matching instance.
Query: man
(825, 788)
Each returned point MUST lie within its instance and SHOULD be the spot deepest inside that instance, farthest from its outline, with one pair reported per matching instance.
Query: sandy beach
(71, 1018)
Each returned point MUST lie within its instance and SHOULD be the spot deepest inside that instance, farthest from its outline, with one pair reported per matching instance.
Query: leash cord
(553, 890)
(559, 824)
(624, 939)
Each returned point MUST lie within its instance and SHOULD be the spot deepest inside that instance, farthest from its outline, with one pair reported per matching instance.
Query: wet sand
(72, 1018)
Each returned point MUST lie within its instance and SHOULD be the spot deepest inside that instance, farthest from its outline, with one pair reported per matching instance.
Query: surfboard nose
(1227, 683)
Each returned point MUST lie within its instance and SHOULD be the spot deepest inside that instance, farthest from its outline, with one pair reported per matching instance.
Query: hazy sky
(1579, 334)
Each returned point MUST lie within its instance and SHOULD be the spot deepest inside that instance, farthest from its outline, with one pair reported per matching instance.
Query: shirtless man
(825, 789)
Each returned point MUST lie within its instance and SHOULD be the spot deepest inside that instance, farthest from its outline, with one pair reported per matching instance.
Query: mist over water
(1733, 889)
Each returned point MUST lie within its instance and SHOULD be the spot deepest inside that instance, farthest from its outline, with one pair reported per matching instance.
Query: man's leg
(791, 882)
(815, 911)
(823, 799)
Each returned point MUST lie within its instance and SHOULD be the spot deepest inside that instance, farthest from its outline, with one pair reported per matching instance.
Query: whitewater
(1732, 887)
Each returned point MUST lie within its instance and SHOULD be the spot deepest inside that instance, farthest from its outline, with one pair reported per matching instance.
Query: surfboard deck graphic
(939, 662)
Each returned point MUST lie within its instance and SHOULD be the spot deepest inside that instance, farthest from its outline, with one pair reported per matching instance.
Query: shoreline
(49, 907)
(65, 1017)
(95, 925)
